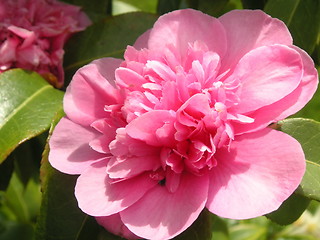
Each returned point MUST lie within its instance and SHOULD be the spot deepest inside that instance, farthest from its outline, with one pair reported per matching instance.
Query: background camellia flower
(182, 124)
(33, 33)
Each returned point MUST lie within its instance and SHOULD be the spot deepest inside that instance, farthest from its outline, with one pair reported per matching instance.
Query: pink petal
(142, 41)
(114, 224)
(98, 196)
(183, 27)
(95, 81)
(247, 30)
(162, 215)
(261, 170)
(128, 78)
(124, 145)
(101, 144)
(69, 147)
(268, 74)
(8, 51)
(155, 128)
(194, 109)
(307, 87)
(162, 69)
(132, 166)
(28, 36)
(287, 105)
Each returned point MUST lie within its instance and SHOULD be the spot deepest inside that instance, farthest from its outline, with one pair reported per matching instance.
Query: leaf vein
(22, 105)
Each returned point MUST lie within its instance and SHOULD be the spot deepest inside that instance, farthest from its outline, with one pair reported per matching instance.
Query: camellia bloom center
(192, 111)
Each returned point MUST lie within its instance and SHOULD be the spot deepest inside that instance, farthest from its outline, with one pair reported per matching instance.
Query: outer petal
(115, 225)
(163, 215)
(142, 41)
(91, 88)
(98, 196)
(69, 147)
(267, 74)
(248, 29)
(306, 89)
(261, 170)
(287, 105)
(182, 27)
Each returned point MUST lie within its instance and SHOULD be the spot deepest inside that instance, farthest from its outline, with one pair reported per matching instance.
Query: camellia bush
(159, 119)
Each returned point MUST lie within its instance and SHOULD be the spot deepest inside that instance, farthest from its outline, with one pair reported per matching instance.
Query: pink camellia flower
(182, 124)
(33, 33)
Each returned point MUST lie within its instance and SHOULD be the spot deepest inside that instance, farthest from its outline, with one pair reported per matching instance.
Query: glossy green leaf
(27, 105)
(200, 229)
(290, 210)
(302, 18)
(307, 132)
(108, 38)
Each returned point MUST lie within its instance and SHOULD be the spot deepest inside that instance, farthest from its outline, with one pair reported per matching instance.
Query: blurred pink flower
(182, 124)
(33, 33)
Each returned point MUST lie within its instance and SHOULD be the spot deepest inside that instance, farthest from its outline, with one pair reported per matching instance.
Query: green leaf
(212, 7)
(248, 232)
(307, 132)
(19, 207)
(15, 201)
(200, 229)
(290, 210)
(316, 54)
(96, 9)
(11, 230)
(108, 38)
(120, 7)
(26, 158)
(311, 110)
(27, 105)
(220, 229)
(165, 6)
(145, 6)
(302, 18)
(253, 4)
